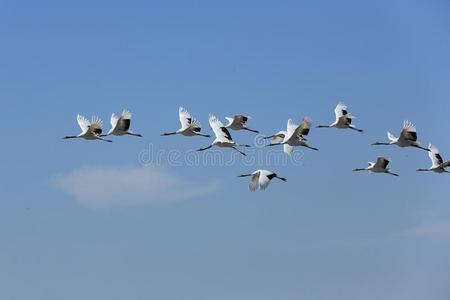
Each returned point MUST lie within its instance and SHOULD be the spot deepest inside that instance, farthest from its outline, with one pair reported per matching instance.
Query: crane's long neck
(203, 134)
(420, 147)
(249, 129)
(281, 178)
(391, 173)
(134, 134)
(243, 153)
(312, 148)
(356, 129)
(102, 139)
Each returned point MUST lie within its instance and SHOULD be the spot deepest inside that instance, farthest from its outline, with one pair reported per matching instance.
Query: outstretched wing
(241, 119)
(341, 110)
(409, 132)
(195, 125)
(83, 123)
(382, 162)
(230, 121)
(254, 182)
(187, 121)
(264, 179)
(96, 126)
(291, 130)
(219, 130)
(124, 121)
(304, 128)
(114, 119)
(435, 156)
(237, 121)
(185, 118)
(288, 149)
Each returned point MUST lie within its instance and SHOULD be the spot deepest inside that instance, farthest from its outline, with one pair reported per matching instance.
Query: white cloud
(101, 187)
(435, 230)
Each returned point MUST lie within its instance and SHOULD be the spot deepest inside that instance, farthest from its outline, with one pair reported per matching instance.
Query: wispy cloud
(101, 187)
(439, 230)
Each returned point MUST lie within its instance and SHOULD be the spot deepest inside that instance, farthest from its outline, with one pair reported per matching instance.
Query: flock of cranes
(293, 136)
(92, 130)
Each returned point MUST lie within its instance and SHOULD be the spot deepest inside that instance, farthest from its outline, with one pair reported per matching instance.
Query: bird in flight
(343, 119)
(239, 122)
(381, 166)
(189, 125)
(261, 179)
(293, 136)
(90, 130)
(437, 162)
(408, 137)
(223, 136)
(121, 125)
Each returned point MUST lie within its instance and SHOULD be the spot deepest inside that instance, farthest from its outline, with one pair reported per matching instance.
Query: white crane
(261, 179)
(90, 130)
(223, 136)
(239, 122)
(379, 167)
(437, 162)
(121, 125)
(343, 119)
(408, 137)
(189, 125)
(294, 136)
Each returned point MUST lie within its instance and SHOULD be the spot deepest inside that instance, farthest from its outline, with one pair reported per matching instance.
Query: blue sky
(85, 220)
